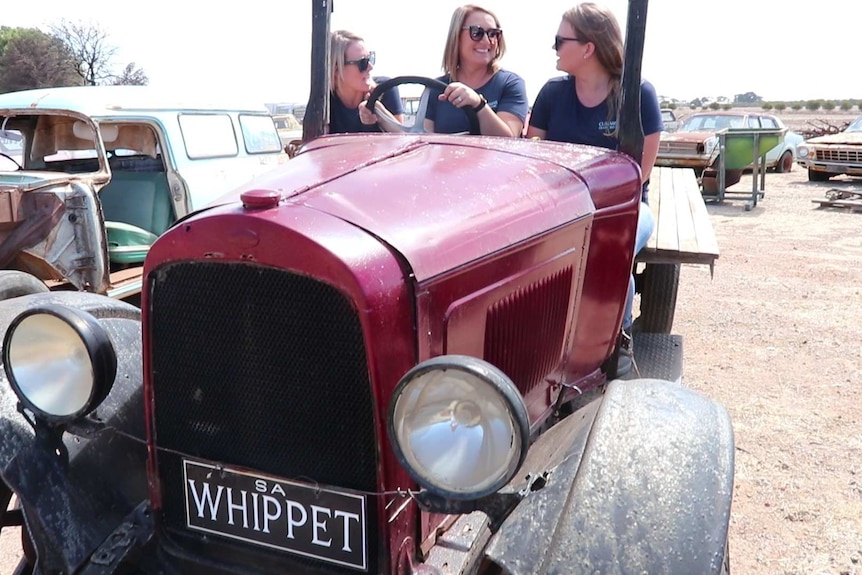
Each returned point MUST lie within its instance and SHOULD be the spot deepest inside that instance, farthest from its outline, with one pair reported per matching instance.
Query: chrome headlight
(709, 144)
(459, 426)
(60, 362)
(802, 151)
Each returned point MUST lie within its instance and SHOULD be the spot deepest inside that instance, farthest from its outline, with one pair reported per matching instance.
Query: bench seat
(683, 232)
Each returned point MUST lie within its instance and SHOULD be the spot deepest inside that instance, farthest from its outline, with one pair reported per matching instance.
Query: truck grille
(259, 368)
(845, 156)
(679, 147)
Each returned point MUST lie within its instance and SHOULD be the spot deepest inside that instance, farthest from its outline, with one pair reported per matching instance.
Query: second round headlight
(459, 426)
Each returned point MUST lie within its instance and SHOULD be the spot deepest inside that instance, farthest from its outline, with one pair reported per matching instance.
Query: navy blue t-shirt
(561, 115)
(344, 120)
(505, 92)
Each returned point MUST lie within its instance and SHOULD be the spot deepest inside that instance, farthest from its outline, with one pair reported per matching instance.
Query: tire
(785, 162)
(815, 176)
(658, 298)
(14, 284)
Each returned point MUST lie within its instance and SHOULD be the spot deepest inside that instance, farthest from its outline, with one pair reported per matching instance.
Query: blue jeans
(646, 224)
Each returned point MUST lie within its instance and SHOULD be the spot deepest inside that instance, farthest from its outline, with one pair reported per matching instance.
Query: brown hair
(339, 42)
(451, 53)
(597, 24)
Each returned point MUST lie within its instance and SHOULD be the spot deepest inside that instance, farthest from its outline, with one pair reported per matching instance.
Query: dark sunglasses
(363, 62)
(477, 33)
(558, 41)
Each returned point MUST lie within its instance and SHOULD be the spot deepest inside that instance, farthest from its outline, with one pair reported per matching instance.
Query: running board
(657, 356)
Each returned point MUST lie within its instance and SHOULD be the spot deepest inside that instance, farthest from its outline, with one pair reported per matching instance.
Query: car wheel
(815, 176)
(785, 162)
(658, 298)
(14, 283)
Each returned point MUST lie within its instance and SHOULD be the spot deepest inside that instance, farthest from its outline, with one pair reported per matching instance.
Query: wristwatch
(482, 104)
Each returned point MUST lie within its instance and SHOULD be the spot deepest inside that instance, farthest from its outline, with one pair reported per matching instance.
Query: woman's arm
(650, 152)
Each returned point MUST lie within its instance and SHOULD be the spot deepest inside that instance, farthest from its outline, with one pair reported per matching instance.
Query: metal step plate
(657, 355)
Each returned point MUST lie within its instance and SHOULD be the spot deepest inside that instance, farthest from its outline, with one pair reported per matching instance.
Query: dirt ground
(775, 337)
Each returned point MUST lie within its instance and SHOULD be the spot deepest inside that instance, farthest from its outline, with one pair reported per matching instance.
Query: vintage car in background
(101, 171)
(289, 129)
(394, 355)
(695, 143)
(668, 117)
(833, 154)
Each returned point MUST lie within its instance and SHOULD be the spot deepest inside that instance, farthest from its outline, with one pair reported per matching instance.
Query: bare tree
(89, 47)
(131, 76)
(32, 59)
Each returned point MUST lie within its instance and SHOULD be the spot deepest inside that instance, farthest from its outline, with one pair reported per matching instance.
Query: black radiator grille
(259, 368)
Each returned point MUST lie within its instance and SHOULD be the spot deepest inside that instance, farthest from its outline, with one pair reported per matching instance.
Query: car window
(753, 122)
(259, 134)
(208, 135)
(855, 125)
(12, 146)
(768, 123)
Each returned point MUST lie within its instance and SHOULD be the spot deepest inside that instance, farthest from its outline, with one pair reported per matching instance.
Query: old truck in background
(98, 172)
(395, 355)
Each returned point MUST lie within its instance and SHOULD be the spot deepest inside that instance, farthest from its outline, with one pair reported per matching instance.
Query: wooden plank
(666, 233)
(706, 241)
(685, 228)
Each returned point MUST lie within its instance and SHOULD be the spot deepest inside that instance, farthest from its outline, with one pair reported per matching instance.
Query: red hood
(477, 195)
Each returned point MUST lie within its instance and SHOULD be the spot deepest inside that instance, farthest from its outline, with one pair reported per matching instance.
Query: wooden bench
(683, 235)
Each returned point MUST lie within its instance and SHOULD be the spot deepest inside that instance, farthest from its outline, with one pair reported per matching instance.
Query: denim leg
(646, 224)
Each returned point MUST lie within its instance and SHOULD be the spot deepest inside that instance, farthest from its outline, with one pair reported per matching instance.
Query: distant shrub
(846, 105)
(714, 106)
(726, 107)
(813, 105)
(767, 106)
(780, 106)
(828, 105)
(796, 106)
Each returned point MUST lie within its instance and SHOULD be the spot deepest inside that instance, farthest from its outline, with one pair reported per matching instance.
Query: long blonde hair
(451, 52)
(597, 24)
(339, 42)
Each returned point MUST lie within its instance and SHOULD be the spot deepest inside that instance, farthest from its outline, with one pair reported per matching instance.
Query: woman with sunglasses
(475, 80)
(582, 108)
(351, 65)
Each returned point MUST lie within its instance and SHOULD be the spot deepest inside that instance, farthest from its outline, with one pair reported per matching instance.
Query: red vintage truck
(394, 355)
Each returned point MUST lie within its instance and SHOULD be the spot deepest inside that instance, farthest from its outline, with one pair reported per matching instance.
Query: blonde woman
(351, 64)
(471, 62)
(582, 108)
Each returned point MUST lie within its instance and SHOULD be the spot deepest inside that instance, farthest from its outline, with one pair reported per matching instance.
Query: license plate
(261, 510)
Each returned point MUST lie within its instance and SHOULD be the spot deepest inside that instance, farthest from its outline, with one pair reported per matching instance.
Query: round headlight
(60, 362)
(802, 151)
(459, 426)
(709, 144)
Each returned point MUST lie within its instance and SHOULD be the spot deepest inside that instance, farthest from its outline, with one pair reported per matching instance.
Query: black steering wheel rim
(472, 116)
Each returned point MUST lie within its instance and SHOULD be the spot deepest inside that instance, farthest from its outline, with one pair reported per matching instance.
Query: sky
(260, 49)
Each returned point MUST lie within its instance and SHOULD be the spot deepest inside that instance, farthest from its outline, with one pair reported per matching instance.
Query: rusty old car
(833, 154)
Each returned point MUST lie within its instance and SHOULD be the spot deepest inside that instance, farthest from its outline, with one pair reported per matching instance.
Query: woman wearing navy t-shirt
(582, 108)
(351, 68)
(475, 80)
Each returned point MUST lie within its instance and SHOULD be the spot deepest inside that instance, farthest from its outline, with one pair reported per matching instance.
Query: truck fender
(71, 507)
(646, 487)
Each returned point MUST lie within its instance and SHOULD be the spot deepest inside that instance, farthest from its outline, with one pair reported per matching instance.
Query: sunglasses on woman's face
(363, 62)
(558, 41)
(477, 33)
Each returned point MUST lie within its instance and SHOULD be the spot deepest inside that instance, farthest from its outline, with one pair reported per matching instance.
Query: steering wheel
(11, 159)
(419, 124)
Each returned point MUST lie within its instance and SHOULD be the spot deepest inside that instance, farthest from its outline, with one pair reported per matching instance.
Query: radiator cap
(260, 199)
